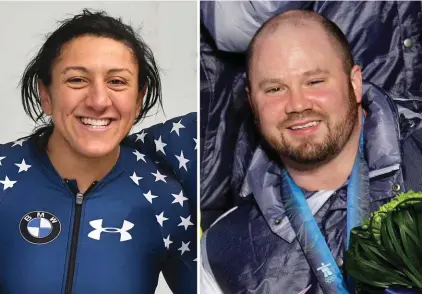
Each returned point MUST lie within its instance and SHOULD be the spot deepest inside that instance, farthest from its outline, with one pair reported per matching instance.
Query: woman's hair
(93, 24)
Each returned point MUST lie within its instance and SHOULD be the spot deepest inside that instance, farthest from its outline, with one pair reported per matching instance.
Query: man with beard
(331, 153)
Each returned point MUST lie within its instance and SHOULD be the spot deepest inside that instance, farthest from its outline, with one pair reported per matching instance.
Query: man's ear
(252, 105)
(45, 97)
(356, 81)
(248, 93)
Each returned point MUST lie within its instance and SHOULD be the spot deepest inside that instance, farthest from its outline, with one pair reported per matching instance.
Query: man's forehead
(288, 46)
(291, 47)
(288, 31)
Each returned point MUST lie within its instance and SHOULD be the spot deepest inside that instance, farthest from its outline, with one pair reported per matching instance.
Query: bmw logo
(39, 227)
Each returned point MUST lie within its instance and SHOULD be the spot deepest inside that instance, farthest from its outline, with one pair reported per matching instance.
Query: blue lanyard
(306, 228)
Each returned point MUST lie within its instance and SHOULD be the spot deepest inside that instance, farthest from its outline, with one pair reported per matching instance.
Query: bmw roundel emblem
(39, 227)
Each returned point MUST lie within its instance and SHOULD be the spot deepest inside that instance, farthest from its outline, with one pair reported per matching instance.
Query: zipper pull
(79, 198)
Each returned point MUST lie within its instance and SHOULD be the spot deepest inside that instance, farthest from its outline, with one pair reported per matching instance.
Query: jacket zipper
(75, 237)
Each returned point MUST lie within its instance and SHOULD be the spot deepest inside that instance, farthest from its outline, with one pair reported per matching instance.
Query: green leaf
(406, 251)
(388, 251)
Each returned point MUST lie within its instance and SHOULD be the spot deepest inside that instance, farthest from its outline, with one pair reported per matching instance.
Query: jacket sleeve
(172, 145)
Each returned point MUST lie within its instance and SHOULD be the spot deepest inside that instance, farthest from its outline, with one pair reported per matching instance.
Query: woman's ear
(45, 97)
(140, 100)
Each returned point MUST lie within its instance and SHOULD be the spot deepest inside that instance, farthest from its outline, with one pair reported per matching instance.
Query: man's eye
(273, 90)
(315, 82)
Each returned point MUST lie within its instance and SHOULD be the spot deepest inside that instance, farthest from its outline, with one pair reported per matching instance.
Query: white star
(1, 158)
(135, 178)
(196, 143)
(159, 177)
(184, 248)
(149, 196)
(185, 222)
(179, 198)
(141, 136)
(167, 242)
(139, 156)
(196, 259)
(159, 145)
(182, 161)
(161, 218)
(7, 183)
(177, 127)
(22, 166)
(18, 142)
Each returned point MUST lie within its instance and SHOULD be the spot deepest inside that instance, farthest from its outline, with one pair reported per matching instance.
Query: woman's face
(94, 97)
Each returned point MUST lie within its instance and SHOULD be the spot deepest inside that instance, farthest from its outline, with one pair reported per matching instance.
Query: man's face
(94, 97)
(306, 106)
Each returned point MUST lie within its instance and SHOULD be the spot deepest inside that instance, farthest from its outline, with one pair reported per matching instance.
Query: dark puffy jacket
(385, 41)
(257, 239)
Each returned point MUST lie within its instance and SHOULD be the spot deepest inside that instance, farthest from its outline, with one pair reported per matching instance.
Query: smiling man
(331, 152)
(305, 93)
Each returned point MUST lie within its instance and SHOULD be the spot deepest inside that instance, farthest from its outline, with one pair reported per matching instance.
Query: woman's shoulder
(17, 149)
(172, 144)
(170, 134)
(15, 157)
(171, 148)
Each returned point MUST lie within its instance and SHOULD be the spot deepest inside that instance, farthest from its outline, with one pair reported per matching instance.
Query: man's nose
(297, 101)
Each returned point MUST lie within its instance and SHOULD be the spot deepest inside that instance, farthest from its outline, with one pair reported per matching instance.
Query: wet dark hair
(93, 24)
(296, 17)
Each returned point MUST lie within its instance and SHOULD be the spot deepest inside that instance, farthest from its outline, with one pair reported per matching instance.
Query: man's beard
(310, 152)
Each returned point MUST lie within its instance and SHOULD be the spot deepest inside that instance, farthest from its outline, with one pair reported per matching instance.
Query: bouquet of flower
(385, 254)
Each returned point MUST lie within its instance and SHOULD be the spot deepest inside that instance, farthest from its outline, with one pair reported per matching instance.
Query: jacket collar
(42, 158)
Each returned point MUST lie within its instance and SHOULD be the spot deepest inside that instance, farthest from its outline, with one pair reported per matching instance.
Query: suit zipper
(75, 237)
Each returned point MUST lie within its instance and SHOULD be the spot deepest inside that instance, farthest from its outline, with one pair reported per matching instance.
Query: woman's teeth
(95, 122)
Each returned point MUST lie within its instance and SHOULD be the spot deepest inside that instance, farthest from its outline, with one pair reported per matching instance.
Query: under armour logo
(98, 226)
(328, 274)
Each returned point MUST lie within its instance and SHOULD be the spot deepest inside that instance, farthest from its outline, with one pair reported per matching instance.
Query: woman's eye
(117, 82)
(75, 80)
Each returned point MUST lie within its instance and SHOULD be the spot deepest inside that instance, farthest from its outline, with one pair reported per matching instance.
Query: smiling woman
(98, 210)
(93, 106)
